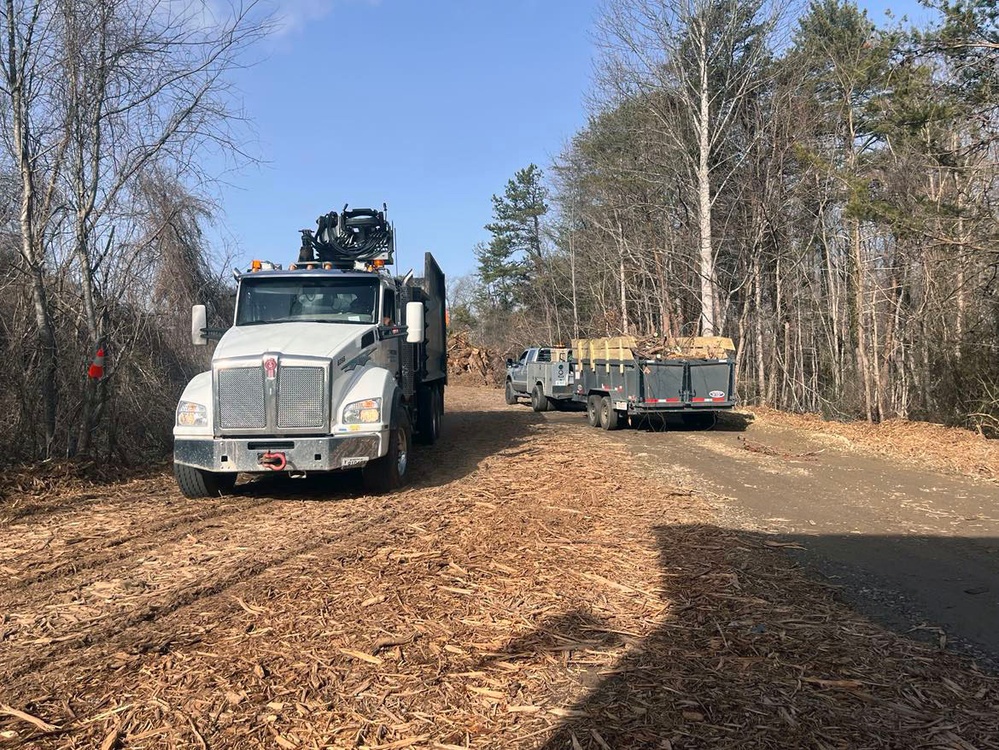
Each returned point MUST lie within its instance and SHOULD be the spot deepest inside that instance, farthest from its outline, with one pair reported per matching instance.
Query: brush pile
(472, 365)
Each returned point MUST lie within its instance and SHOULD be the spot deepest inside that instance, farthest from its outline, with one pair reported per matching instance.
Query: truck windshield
(283, 300)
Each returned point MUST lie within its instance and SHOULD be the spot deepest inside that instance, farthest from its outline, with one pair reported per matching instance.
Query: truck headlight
(368, 411)
(191, 414)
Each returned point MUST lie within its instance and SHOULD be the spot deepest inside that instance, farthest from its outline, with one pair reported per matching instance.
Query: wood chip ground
(530, 590)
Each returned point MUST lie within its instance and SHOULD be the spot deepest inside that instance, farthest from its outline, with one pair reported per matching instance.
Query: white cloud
(291, 16)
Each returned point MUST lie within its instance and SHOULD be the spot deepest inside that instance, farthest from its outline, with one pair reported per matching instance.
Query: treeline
(821, 189)
(107, 108)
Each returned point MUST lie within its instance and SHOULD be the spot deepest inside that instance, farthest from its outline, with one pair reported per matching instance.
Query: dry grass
(531, 590)
(948, 449)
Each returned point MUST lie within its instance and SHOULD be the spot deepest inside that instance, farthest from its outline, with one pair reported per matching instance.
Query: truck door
(518, 373)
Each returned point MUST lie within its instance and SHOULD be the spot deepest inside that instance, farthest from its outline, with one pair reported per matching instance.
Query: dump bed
(642, 385)
(435, 296)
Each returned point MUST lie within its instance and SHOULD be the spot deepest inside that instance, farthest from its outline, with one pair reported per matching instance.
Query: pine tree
(511, 264)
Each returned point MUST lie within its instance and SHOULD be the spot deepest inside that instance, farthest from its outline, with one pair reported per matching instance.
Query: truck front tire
(511, 394)
(391, 471)
(197, 483)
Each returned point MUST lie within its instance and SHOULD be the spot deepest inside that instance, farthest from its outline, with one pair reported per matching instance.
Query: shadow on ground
(724, 422)
(752, 654)
(467, 438)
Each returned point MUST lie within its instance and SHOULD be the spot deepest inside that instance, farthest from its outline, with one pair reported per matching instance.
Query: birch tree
(704, 59)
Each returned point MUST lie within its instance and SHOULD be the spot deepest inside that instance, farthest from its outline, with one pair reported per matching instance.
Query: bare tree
(102, 94)
(703, 59)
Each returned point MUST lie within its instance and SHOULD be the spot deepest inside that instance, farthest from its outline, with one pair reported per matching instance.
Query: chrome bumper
(302, 454)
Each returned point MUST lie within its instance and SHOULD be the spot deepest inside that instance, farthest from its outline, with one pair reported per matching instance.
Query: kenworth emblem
(270, 368)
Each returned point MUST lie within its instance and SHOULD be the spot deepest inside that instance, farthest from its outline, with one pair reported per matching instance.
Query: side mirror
(199, 322)
(414, 323)
(509, 362)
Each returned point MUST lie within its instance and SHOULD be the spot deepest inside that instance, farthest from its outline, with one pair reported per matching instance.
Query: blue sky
(428, 105)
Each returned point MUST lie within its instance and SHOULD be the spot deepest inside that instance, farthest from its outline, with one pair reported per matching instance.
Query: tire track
(125, 545)
(108, 630)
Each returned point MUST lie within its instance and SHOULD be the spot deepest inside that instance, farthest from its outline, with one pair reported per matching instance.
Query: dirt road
(535, 587)
(916, 550)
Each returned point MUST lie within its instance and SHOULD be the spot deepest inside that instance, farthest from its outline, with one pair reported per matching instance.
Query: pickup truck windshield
(284, 300)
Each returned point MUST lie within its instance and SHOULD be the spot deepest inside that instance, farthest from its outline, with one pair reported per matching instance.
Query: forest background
(820, 188)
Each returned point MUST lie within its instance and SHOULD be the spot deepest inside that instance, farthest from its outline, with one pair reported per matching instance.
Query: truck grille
(300, 397)
(241, 399)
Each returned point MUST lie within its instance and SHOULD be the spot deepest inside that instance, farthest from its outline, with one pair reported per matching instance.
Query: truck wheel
(593, 410)
(610, 418)
(439, 391)
(391, 471)
(511, 394)
(539, 401)
(197, 483)
(428, 417)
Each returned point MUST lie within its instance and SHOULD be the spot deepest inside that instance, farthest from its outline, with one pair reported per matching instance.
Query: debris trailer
(695, 380)
(331, 364)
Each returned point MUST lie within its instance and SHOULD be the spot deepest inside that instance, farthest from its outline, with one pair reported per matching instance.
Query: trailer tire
(428, 417)
(610, 418)
(511, 394)
(539, 401)
(593, 410)
(197, 483)
(391, 471)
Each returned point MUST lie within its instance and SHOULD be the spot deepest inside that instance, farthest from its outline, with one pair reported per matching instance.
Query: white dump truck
(331, 364)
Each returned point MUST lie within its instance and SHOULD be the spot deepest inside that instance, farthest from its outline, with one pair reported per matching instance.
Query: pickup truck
(543, 374)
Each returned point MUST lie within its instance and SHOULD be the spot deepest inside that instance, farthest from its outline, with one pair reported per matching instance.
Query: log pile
(472, 365)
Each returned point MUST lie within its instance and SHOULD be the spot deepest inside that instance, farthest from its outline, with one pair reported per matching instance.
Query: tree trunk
(761, 373)
(857, 316)
(706, 256)
(32, 248)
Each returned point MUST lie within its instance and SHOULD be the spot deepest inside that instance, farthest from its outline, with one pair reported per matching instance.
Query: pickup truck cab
(543, 374)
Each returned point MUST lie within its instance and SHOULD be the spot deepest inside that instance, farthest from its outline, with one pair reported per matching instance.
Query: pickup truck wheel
(610, 418)
(392, 470)
(511, 394)
(198, 483)
(593, 410)
(539, 401)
